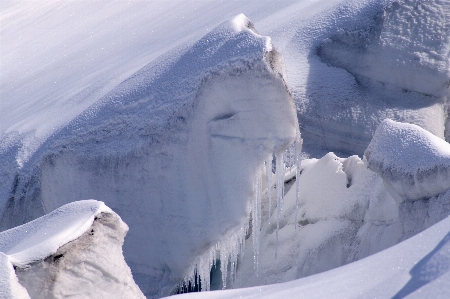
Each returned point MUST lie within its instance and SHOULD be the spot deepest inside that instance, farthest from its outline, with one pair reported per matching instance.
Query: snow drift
(174, 150)
(414, 163)
(75, 250)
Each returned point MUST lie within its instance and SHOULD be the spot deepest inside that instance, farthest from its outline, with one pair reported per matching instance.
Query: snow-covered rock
(75, 250)
(414, 163)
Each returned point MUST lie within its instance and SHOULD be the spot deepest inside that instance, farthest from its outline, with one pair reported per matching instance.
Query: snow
(168, 115)
(413, 162)
(416, 268)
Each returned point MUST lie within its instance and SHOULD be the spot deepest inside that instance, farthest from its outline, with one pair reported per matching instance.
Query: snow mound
(414, 163)
(74, 250)
(174, 149)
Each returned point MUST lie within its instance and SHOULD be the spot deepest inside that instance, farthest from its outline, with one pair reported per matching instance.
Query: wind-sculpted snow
(414, 163)
(174, 150)
(75, 250)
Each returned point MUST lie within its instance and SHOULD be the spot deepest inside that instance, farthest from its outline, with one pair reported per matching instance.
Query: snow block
(75, 250)
(413, 163)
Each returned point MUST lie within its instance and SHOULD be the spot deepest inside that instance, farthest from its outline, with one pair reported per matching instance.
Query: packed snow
(188, 126)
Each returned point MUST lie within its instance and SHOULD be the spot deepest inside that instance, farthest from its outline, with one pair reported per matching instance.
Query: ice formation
(414, 163)
(75, 250)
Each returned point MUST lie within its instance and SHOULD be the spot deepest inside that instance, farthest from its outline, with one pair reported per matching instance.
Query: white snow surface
(416, 268)
(413, 162)
(42, 237)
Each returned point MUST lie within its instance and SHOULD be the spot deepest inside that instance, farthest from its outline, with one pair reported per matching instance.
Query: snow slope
(416, 268)
(75, 250)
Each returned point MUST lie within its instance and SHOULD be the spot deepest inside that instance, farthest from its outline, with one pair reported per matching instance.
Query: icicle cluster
(298, 161)
(233, 244)
(279, 174)
(227, 252)
(256, 220)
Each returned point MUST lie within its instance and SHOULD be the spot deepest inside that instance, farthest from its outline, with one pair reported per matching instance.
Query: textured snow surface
(407, 46)
(416, 268)
(413, 162)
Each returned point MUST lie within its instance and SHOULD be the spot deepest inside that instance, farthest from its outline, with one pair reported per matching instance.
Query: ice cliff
(174, 150)
(75, 250)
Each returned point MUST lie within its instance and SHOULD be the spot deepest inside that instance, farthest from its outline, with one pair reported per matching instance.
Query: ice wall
(174, 150)
(75, 250)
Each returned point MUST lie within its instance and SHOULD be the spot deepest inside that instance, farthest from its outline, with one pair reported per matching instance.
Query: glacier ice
(75, 250)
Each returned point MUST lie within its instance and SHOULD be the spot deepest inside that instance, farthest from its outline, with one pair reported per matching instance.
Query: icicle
(256, 221)
(269, 183)
(279, 173)
(298, 162)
